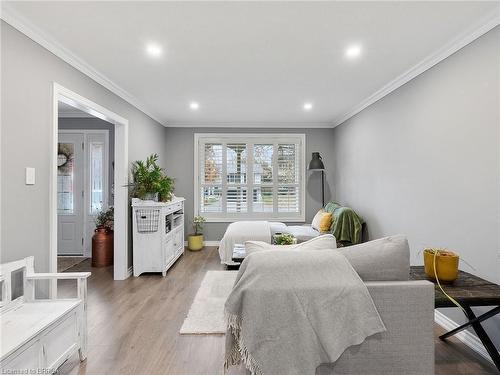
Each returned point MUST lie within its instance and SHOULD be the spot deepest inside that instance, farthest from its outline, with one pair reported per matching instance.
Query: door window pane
(96, 176)
(65, 178)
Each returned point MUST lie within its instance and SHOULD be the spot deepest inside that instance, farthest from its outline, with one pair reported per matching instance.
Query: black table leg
(479, 319)
(475, 322)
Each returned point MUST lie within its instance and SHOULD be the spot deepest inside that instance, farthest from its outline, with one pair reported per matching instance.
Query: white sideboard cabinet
(158, 234)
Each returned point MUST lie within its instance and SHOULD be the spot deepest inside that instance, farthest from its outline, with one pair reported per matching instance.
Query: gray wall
(424, 161)
(28, 71)
(180, 151)
(94, 123)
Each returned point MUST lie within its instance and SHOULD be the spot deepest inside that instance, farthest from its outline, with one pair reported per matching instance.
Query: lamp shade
(316, 162)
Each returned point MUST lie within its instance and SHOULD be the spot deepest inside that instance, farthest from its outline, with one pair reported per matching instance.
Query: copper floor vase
(102, 248)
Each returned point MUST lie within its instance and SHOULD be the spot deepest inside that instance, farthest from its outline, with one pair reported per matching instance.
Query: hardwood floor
(134, 326)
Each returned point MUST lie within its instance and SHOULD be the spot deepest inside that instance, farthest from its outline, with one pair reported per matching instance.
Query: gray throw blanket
(290, 311)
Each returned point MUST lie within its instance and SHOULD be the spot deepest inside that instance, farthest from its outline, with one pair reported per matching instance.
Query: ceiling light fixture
(194, 106)
(307, 106)
(353, 51)
(154, 50)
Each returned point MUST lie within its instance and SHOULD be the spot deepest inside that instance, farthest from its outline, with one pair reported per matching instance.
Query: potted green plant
(149, 180)
(195, 241)
(284, 239)
(103, 238)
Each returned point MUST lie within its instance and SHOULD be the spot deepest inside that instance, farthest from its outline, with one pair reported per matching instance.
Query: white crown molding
(20, 23)
(473, 33)
(239, 124)
(465, 336)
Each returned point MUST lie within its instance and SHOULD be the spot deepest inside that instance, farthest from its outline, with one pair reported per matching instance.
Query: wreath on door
(65, 156)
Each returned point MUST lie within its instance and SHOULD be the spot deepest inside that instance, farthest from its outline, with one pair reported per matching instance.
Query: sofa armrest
(407, 347)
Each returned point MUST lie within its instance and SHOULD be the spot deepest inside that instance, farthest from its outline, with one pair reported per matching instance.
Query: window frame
(253, 138)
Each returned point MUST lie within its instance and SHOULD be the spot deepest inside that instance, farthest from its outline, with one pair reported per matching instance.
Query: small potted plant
(195, 241)
(441, 264)
(102, 241)
(284, 239)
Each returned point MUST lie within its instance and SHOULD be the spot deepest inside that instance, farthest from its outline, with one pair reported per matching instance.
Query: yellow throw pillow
(322, 221)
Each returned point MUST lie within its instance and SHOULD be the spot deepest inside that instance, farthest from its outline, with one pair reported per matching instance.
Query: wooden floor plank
(134, 326)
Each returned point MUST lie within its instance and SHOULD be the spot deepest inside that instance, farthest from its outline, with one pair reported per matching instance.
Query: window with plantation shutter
(250, 176)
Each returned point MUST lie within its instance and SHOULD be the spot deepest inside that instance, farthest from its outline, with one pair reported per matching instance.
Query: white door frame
(60, 93)
(86, 178)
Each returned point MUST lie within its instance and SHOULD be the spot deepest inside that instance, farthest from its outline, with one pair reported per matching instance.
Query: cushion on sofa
(323, 242)
(322, 221)
(385, 259)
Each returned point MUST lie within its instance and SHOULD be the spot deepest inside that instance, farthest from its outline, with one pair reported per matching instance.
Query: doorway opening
(88, 175)
(85, 176)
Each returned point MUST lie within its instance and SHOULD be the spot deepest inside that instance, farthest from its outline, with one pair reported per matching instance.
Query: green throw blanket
(346, 224)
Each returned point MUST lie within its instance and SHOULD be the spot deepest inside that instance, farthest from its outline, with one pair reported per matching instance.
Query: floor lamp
(316, 164)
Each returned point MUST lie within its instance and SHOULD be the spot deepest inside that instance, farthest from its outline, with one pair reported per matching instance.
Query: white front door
(82, 188)
(70, 194)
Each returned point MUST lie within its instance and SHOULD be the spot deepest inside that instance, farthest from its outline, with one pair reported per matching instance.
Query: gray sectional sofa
(406, 308)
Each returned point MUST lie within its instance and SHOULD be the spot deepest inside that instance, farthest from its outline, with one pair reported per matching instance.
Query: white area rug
(206, 315)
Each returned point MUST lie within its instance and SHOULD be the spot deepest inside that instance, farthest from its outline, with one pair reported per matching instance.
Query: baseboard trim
(207, 243)
(465, 336)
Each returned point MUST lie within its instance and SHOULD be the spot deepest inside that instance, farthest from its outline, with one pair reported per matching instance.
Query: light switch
(30, 176)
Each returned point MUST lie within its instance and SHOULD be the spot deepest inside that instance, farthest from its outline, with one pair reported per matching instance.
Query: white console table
(158, 234)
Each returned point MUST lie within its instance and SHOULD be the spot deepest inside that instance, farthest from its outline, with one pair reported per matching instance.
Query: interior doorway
(85, 175)
(85, 187)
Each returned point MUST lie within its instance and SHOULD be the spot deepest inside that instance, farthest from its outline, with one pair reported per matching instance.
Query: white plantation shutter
(288, 178)
(236, 177)
(263, 174)
(250, 176)
(212, 171)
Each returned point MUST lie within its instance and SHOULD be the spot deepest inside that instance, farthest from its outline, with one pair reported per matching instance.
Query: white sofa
(241, 231)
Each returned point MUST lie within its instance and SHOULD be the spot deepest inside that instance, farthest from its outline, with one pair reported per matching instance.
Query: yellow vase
(195, 242)
(446, 265)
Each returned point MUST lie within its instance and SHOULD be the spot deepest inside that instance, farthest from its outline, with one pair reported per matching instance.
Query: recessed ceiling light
(353, 51)
(194, 106)
(154, 50)
(307, 106)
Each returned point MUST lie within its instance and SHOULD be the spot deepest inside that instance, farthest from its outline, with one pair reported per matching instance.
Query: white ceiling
(252, 63)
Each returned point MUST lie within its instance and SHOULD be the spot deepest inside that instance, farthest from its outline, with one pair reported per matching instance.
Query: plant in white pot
(195, 240)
